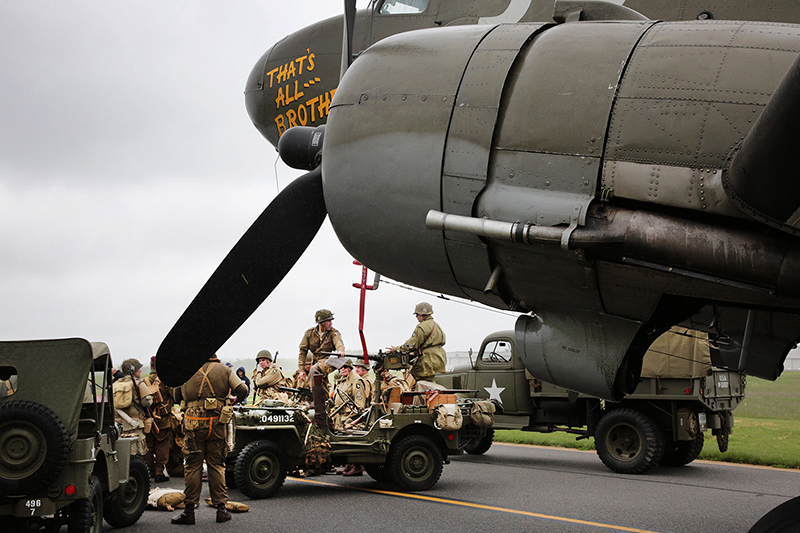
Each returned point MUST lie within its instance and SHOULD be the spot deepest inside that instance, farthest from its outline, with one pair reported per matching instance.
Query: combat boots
(222, 513)
(187, 516)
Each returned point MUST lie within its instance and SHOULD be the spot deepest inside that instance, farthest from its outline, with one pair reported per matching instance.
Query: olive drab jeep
(403, 437)
(62, 459)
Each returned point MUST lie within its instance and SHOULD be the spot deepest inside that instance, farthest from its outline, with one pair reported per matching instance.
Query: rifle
(300, 391)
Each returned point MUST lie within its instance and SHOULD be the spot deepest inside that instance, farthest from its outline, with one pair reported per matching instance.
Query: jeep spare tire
(34, 447)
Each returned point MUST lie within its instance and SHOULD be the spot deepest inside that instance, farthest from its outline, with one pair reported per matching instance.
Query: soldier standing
(131, 399)
(267, 378)
(320, 341)
(158, 439)
(205, 434)
(427, 340)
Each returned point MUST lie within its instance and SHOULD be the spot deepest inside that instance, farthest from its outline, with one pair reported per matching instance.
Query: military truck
(62, 459)
(680, 396)
(400, 439)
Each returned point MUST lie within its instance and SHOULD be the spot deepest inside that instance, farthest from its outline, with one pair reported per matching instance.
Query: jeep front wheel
(629, 442)
(260, 469)
(125, 505)
(415, 463)
(480, 445)
(34, 447)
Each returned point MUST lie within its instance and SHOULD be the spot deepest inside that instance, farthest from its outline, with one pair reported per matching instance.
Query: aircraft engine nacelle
(601, 149)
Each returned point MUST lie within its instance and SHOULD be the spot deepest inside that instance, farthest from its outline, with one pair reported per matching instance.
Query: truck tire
(378, 472)
(480, 445)
(124, 506)
(260, 469)
(629, 442)
(415, 463)
(782, 519)
(86, 514)
(34, 447)
(682, 452)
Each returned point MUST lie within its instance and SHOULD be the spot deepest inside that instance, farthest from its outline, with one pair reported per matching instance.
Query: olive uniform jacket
(315, 342)
(430, 338)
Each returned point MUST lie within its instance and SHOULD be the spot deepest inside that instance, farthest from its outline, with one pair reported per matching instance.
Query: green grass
(766, 428)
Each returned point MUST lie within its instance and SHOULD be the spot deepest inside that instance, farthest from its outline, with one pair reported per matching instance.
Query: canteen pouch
(448, 417)
(226, 414)
(482, 413)
(210, 404)
(148, 425)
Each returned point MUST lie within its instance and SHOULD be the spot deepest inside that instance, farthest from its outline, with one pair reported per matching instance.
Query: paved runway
(516, 488)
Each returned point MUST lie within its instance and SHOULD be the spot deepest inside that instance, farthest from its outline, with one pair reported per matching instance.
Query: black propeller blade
(244, 279)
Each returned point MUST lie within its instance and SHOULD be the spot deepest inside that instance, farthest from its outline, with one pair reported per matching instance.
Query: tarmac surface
(513, 488)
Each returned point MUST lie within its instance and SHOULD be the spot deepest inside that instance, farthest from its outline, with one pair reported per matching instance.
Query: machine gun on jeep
(62, 459)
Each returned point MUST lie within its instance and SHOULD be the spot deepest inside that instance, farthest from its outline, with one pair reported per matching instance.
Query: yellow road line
(477, 506)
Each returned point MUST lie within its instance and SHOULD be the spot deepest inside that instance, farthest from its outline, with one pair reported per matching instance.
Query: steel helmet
(264, 354)
(423, 308)
(322, 315)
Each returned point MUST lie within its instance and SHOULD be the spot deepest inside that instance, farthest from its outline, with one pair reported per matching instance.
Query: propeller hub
(301, 147)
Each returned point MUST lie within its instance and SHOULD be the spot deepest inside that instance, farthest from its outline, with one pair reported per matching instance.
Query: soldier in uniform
(428, 340)
(344, 395)
(205, 434)
(267, 378)
(364, 385)
(158, 439)
(320, 341)
(303, 383)
(131, 400)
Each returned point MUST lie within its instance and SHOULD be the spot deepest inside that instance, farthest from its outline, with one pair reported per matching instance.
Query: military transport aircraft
(607, 171)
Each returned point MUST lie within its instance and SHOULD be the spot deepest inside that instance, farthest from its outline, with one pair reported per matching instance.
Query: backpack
(123, 394)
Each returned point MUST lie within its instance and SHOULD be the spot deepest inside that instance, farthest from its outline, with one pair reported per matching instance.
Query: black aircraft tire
(480, 445)
(34, 447)
(260, 470)
(682, 452)
(124, 506)
(415, 463)
(785, 518)
(629, 442)
(378, 472)
(86, 514)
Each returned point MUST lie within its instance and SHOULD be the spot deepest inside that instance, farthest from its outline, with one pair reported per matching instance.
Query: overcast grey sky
(129, 168)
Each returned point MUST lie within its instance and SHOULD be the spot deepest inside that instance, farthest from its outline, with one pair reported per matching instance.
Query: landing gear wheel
(34, 447)
(260, 469)
(415, 463)
(378, 472)
(629, 442)
(682, 452)
(86, 515)
(125, 505)
(480, 445)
